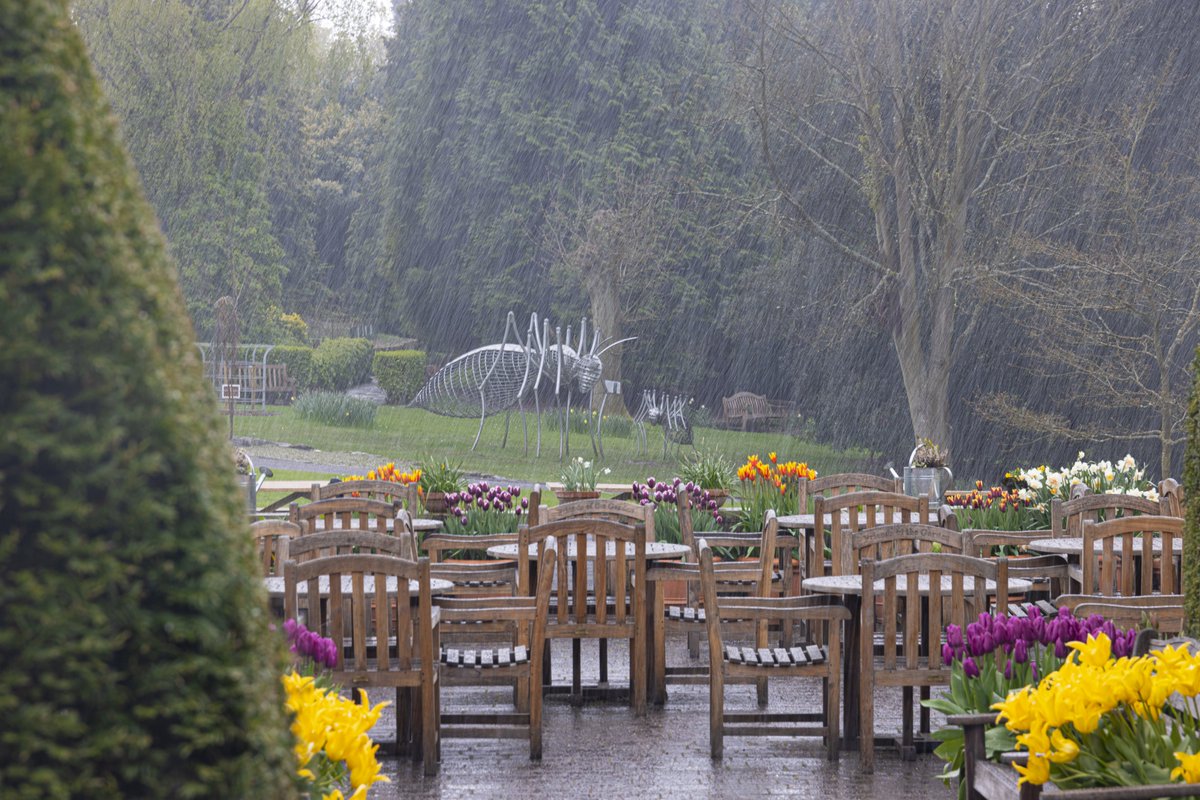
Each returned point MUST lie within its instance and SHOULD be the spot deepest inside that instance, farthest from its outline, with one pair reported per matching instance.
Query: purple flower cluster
(1017, 638)
(483, 497)
(658, 492)
(310, 644)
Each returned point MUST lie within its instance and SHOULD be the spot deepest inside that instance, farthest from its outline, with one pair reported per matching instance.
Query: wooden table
(650, 601)
(1073, 546)
(850, 588)
(295, 490)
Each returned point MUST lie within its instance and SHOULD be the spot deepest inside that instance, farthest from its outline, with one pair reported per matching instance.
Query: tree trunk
(605, 295)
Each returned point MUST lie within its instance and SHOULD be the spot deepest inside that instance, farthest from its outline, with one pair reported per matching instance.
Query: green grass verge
(407, 435)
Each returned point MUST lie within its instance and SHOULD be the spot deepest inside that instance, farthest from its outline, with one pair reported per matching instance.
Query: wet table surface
(654, 550)
(1073, 546)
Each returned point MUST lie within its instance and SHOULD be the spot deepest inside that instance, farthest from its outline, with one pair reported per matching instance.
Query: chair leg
(716, 710)
(576, 676)
(535, 718)
(604, 660)
(430, 746)
(907, 749)
(693, 639)
(866, 715)
(637, 674)
(832, 714)
(761, 689)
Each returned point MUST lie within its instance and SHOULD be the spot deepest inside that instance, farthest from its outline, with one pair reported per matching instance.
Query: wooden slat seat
(777, 656)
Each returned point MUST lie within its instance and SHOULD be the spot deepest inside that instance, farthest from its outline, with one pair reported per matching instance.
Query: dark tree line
(939, 218)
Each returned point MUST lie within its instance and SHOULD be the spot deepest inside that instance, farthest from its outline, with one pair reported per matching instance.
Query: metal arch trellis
(247, 364)
(499, 377)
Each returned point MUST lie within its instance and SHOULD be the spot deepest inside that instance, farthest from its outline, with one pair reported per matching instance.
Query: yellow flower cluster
(1053, 718)
(337, 727)
(388, 472)
(755, 470)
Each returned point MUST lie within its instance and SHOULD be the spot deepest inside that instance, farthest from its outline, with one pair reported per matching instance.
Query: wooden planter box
(987, 780)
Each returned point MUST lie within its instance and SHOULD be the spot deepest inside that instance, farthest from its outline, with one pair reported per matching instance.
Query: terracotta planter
(565, 496)
(720, 495)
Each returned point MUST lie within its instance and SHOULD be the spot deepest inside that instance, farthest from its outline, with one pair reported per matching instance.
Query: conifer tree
(133, 631)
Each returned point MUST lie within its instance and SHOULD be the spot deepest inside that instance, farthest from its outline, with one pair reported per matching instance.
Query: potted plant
(438, 478)
(711, 472)
(769, 485)
(579, 481)
(927, 467)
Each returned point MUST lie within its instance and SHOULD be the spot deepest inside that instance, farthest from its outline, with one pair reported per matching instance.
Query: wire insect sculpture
(666, 410)
(499, 377)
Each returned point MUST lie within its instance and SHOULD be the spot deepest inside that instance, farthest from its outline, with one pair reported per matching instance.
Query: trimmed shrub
(336, 409)
(299, 362)
(1191, 490)
(400, 373)
(341, 363)
(133, 624)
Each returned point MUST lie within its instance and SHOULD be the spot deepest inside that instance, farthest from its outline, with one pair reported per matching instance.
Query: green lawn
(407, 435)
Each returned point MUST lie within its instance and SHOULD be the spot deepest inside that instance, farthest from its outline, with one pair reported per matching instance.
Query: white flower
(1128, 463)
(587, 465)
(607, 470)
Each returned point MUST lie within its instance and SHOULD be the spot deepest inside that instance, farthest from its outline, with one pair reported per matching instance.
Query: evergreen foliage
(1191, 490)
(341, 363)
(400, 373)
(133, 631)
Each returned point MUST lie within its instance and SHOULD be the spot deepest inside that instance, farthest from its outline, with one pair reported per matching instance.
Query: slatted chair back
(345, 513)
(1066, 519)
(836, 516)
(271, 539)
(1108, 573)
(596, 599)
(388, 491)
(342, 543)
(473, 660)
(492, 578)
(381, 643)
(1163, 612)
(729, 663)
(1049, 573)
(844, 483)
(1170, 495)
(622, 511)
(898, 539)
(957, 589)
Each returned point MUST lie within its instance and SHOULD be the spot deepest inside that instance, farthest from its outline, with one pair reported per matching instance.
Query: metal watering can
(930, 481)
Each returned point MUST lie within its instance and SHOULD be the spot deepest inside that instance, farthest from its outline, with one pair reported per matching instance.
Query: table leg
(851, 671)
(656, 652)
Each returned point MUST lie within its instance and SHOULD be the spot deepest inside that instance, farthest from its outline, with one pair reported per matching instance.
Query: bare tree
(1111, 300)
(925, 111)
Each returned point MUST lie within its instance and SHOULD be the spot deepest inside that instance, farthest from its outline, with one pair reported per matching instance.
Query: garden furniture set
(847, 614)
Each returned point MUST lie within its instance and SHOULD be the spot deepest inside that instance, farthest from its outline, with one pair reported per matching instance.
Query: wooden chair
(521, 663)
(1107, 574)
(729, 663)
(352, 542)
(1067, 518)
(844, 482)
(346, 513)
(1163, 612)
(912, 639)
(754, 577)
(584, 607)
(1170, 495)
(388, 491)
(1051, 574)
(623, 511)
(387, 644)
(271, 539)
(877, 508)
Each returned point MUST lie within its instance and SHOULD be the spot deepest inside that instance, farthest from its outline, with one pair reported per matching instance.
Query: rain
(507, 237)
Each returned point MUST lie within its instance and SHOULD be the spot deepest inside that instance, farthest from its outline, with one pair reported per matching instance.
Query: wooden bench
(279, 387)
(745, 408)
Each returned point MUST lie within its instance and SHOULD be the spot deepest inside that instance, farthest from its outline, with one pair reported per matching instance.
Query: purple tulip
(483, 487)
(524, 502)
(484, 504)
(650, 481)
(947, 654)
(517, 512)
(691, 487)
(1020, 652)
(954, 636)
(516, 491)
(970, 668)
(658, 497)
(1008, 670)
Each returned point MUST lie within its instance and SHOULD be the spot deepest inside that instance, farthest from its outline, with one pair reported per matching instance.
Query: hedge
(1191, 490)
(338, 364)
(137, 660)
(299, 362)
(400, 373)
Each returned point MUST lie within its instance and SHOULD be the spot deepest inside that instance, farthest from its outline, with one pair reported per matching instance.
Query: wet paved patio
(603, 751)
